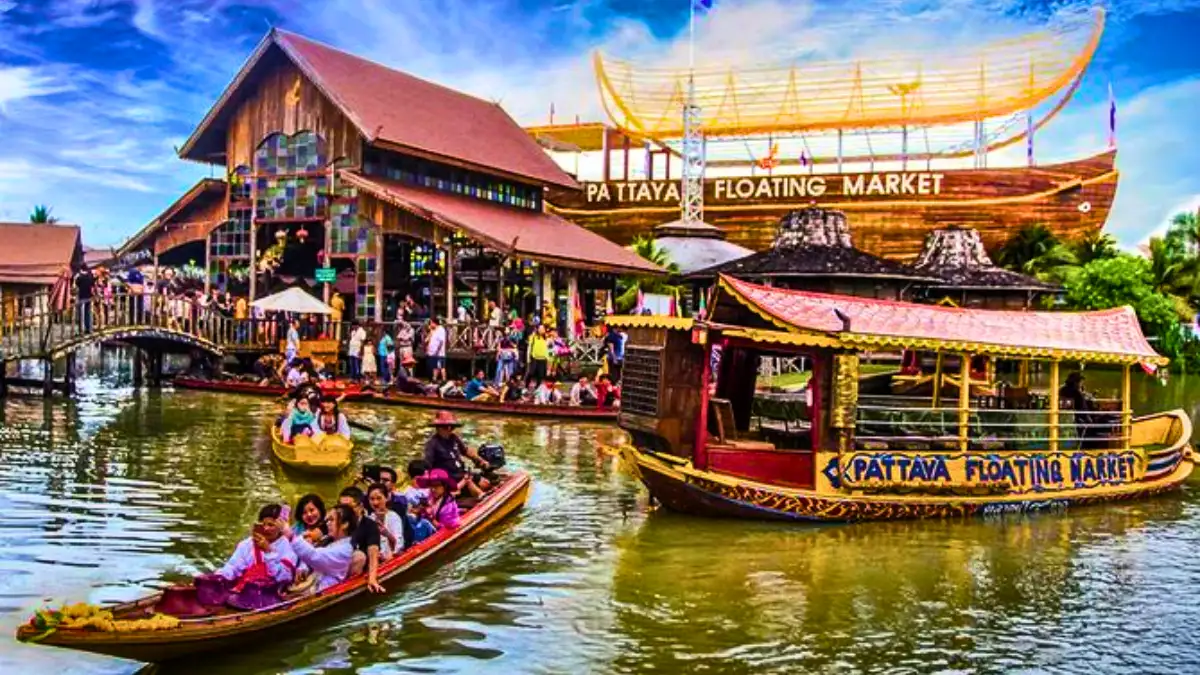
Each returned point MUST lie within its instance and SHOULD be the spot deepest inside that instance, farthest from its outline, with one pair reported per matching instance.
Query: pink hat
(435, 477)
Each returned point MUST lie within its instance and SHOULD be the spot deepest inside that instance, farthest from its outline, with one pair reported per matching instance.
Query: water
(106, 497)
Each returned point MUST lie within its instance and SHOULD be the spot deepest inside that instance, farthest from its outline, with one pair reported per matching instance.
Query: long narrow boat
(331, 456)
(234, 629)
(352, 392)
(518, 409)
(868, 455)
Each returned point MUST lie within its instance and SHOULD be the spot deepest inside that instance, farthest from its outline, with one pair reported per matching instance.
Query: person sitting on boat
(295, 375)
(546, 393)
(512, 390)
(442, 510)
(365, 539)
(406, 383)
(330, 562)
(582, 393)
(270, 368)
(300, 420)
(391, 528)
(310, 518)
(479, 391)
(604, 391)
(331, 420)
(1081, 401)
(451, 389)
(266, 555)
(445, 450)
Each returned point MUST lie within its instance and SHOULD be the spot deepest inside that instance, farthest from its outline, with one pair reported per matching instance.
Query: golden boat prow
(845, 448)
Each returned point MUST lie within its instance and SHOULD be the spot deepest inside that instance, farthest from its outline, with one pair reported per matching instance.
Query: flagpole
(691, 40)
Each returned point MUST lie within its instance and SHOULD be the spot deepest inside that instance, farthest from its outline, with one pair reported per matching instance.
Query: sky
(95, 95)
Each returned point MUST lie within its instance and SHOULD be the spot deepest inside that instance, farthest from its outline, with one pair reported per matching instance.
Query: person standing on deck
(404, 340)
(85, 282)
(293, 340)
(338, 307)
(354, 354)
(539, 353)
(384, 348)
(435, 350)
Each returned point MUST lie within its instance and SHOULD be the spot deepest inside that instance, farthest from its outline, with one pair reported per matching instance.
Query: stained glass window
(292, 177)
(364, 293)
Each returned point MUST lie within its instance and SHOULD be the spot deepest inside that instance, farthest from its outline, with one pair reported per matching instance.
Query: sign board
(326, 275)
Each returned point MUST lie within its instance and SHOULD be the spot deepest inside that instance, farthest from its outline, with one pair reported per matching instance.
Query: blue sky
(96, 94)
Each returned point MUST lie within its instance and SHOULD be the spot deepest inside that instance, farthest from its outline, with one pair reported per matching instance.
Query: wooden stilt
(48, 378)
(69, 375)
(138, 368)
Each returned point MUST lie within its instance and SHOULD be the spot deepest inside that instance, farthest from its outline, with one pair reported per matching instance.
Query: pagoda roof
(957, 258)
(392, 108)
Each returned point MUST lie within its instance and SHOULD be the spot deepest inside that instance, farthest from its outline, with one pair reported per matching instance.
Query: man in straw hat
(445, 450)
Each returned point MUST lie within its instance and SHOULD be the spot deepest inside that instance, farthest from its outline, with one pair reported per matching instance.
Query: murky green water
(104, 497)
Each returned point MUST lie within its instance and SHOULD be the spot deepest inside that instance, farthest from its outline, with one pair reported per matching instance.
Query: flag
(672, 308)
(702, 5)
(577, 310)
(1029, 137)
(1112, 117)
(1150, 368)
(641, 302)
(803, 158)
(702, 310)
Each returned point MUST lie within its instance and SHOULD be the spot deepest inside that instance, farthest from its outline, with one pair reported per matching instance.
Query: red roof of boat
(1113, 331)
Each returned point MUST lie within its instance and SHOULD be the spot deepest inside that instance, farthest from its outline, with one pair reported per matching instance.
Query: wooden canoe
(352, 392)
(517, 409)
(331, 456)
(228, 631)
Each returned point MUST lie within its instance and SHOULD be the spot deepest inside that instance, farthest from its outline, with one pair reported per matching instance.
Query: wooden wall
(193, 222)
(281, 99)
(893, 227)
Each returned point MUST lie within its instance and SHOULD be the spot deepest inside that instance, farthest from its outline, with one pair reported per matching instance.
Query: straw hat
(444, 418)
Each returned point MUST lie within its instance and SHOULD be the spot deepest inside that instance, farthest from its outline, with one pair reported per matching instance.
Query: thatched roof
(696, 246)
(957, 258)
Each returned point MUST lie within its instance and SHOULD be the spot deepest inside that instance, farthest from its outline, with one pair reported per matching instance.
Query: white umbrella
(294, 300)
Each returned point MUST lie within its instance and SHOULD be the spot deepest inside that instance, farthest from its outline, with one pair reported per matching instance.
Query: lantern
(302, 234)
(281, 234)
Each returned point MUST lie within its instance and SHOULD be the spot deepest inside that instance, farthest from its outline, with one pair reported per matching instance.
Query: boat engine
(493, 454)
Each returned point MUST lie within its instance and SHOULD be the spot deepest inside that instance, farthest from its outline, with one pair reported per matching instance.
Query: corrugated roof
(392, 107)
(530, 234)
(1113, 332)
(37, 254)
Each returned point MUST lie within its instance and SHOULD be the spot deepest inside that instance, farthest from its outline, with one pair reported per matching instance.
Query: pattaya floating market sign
(766, 189)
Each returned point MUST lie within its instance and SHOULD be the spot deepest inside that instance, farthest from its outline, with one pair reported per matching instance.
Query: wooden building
(338, 165)
(37, 258)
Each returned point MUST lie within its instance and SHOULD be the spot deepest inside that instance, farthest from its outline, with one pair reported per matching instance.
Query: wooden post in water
(1054, 406)
(48, 378)
(964, 402)
(138, 367)
(3, 379)
(69, 375)
(1126, 410)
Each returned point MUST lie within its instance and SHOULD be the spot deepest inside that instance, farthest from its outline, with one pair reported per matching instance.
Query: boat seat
(727, 428)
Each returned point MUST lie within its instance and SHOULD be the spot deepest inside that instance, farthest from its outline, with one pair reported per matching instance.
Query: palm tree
(41, 215)
(1173, 271)
(628, 286)
(1095, 246)
(1035, 251)
(1184, 230)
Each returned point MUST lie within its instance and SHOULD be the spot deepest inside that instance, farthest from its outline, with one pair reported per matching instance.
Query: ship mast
(692, 192)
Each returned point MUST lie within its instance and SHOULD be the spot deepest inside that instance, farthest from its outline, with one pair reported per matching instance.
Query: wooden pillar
(48, 378)
(1126, 407)
(449, 280)
(936, 383)
(253, 236)
(327, 245)
(69, 375)
(625, 161)
(138, 368)
(379, 258)
(572, 295)
(700, 448)
(606, 152)
(1054, 405)
(3, 380)
(964, 403)
(1023, 374)
(207, 265)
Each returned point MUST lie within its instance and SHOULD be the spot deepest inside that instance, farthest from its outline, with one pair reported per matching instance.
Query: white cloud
(21, 82)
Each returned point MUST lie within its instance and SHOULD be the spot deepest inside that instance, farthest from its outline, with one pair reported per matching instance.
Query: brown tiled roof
(534, 235)
(394, 108)
(38, 254)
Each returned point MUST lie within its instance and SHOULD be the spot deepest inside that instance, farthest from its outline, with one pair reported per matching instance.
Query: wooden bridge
(33, 329)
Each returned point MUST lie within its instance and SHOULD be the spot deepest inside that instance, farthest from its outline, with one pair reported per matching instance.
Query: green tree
(1095, 246)
(1174, 272)
(1124, 280)
(1184, 231)
(627, 286)
(41, 215)
(1035, 251)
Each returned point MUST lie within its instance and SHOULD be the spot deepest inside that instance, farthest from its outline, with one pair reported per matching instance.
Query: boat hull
(517, 409)
(1072, 199)
(330, 458)
(231, 631)
(681, 487)
(350, 392)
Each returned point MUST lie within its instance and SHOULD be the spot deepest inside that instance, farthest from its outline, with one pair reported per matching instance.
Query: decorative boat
(867, 453)
(351, 391)
(518, 409)
(234, 629)
(330, 456)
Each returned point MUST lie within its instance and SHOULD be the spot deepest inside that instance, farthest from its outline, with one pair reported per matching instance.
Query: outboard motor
(493, 454)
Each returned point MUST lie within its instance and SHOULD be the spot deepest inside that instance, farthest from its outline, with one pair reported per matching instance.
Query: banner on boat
(766, 189)
(1010, 472)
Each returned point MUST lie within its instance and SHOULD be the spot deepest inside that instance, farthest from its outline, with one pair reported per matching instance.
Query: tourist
(354, 352)
(265, 556)
(296, 375)
(241, 315)
(506, 361)
(451, 388)
(539, 353)
(495, 314)
(512, 391)
(337, 306)
(443, 507)
(299, 421)
(558, 354)
(1081, 402)
(614, 352)
(396, 501)
(331, 562)
(435, 350)
(331, 420)
(293, 340)
(384, 348)
(546, 393)
(464, 314)
(549, 315)
(370, 366)
(310, 518)
(582, 393)
(391, 528)
(365, 540)
(605, 392)
(479, 391)
(404, 340)
(85, 282)
(445, 450)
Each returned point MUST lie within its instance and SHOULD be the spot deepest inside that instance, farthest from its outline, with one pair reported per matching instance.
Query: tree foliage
(1123, 280)
(41, 215)
(628, 286)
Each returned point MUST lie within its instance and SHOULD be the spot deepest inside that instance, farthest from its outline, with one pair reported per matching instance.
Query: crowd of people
(314, 547)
